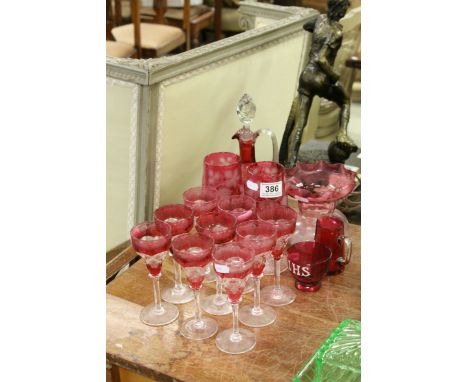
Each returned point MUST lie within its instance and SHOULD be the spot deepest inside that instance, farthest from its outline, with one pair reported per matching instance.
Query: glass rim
(328, 249)
(217, 212)
(219, 247)
(245, 197)
(255, 221)
(234, 155)
(166, 206)
(279, 207)
(200, 188)
(146, 225)
(259, 164)
(179, 238)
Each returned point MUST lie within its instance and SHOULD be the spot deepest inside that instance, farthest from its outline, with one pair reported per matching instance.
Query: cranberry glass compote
(284, 218)
(193, 252)
(317, 187)
(233, 262)
(180, 218)
(151, 240)
(241, 206)
(221, 227)
(308, 262)
(261, 237)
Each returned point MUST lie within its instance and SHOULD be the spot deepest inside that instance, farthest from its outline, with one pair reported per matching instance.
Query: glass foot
(228, 343)
(270, 265)
(198, 330)
(265, 316)
(150, 316)
(274, 297)
(179, 295)
(216, 305)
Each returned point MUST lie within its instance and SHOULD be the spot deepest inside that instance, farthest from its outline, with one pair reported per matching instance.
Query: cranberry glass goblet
(201, 199)
(180, 218)
(265, 181)
(221, 227)
(241, 206)
(222, 168)
(193, 252)
(151, 241)
(284, 219)
(233, 262)
(330, 232)
(308, 262)
(261, 237)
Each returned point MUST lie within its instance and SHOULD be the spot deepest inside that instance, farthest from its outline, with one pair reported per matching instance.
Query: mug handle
(274, 142)
(348, 250)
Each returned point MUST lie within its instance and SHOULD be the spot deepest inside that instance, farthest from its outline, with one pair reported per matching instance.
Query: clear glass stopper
(246, 110)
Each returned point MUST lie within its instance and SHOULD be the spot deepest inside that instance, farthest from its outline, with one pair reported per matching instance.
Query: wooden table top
(282, 348)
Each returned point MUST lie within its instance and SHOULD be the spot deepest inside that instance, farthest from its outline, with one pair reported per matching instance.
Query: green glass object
(338, 359)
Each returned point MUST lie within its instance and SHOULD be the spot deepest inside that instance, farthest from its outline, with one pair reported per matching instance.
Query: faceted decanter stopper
(246, 110)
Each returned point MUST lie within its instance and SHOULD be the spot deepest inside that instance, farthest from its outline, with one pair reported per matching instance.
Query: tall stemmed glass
(261, 237)
(202, 200)
(284, 218)
(243, 207)
(233, 262)
(151, 241)
(221, 227)
(180, 218)
(193, 252)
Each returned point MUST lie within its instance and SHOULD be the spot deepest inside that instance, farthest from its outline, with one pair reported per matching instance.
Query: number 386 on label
(271, 190)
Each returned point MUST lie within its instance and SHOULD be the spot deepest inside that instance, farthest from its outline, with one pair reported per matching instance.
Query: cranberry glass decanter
(317, 187)
(246, 137)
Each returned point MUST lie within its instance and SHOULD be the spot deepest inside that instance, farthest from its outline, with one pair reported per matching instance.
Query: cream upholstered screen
(198, 112)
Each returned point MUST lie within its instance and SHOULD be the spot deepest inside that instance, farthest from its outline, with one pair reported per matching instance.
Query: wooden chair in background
(193, 19)
(115, 48)
(149, 39)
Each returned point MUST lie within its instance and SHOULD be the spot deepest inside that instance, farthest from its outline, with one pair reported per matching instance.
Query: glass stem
(177, 275)
(277, 274)
(219, 287)
(256, 307)
(198, 318)
(235, 336)
(157, 294)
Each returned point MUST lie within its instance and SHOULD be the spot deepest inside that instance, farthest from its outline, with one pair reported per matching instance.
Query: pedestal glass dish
(261, 237)
(284, 219)
(221, 227)
(317, 187)
(193, 252)
(180, 218)
(308, 262)
(151, 241)
(233, 262)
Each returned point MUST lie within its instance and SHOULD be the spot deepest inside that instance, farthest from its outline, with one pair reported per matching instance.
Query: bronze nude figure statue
(319, 79)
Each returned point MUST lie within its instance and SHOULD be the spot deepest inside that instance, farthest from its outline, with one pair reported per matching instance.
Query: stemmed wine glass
(180, 218)
(151, 241)
(193, 252)
(284, 218)
(202, 200)
(241, 206)
(221, 227)
(261, 237)
(233, 262)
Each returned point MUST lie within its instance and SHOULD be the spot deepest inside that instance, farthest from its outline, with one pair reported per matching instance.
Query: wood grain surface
(282, 348)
